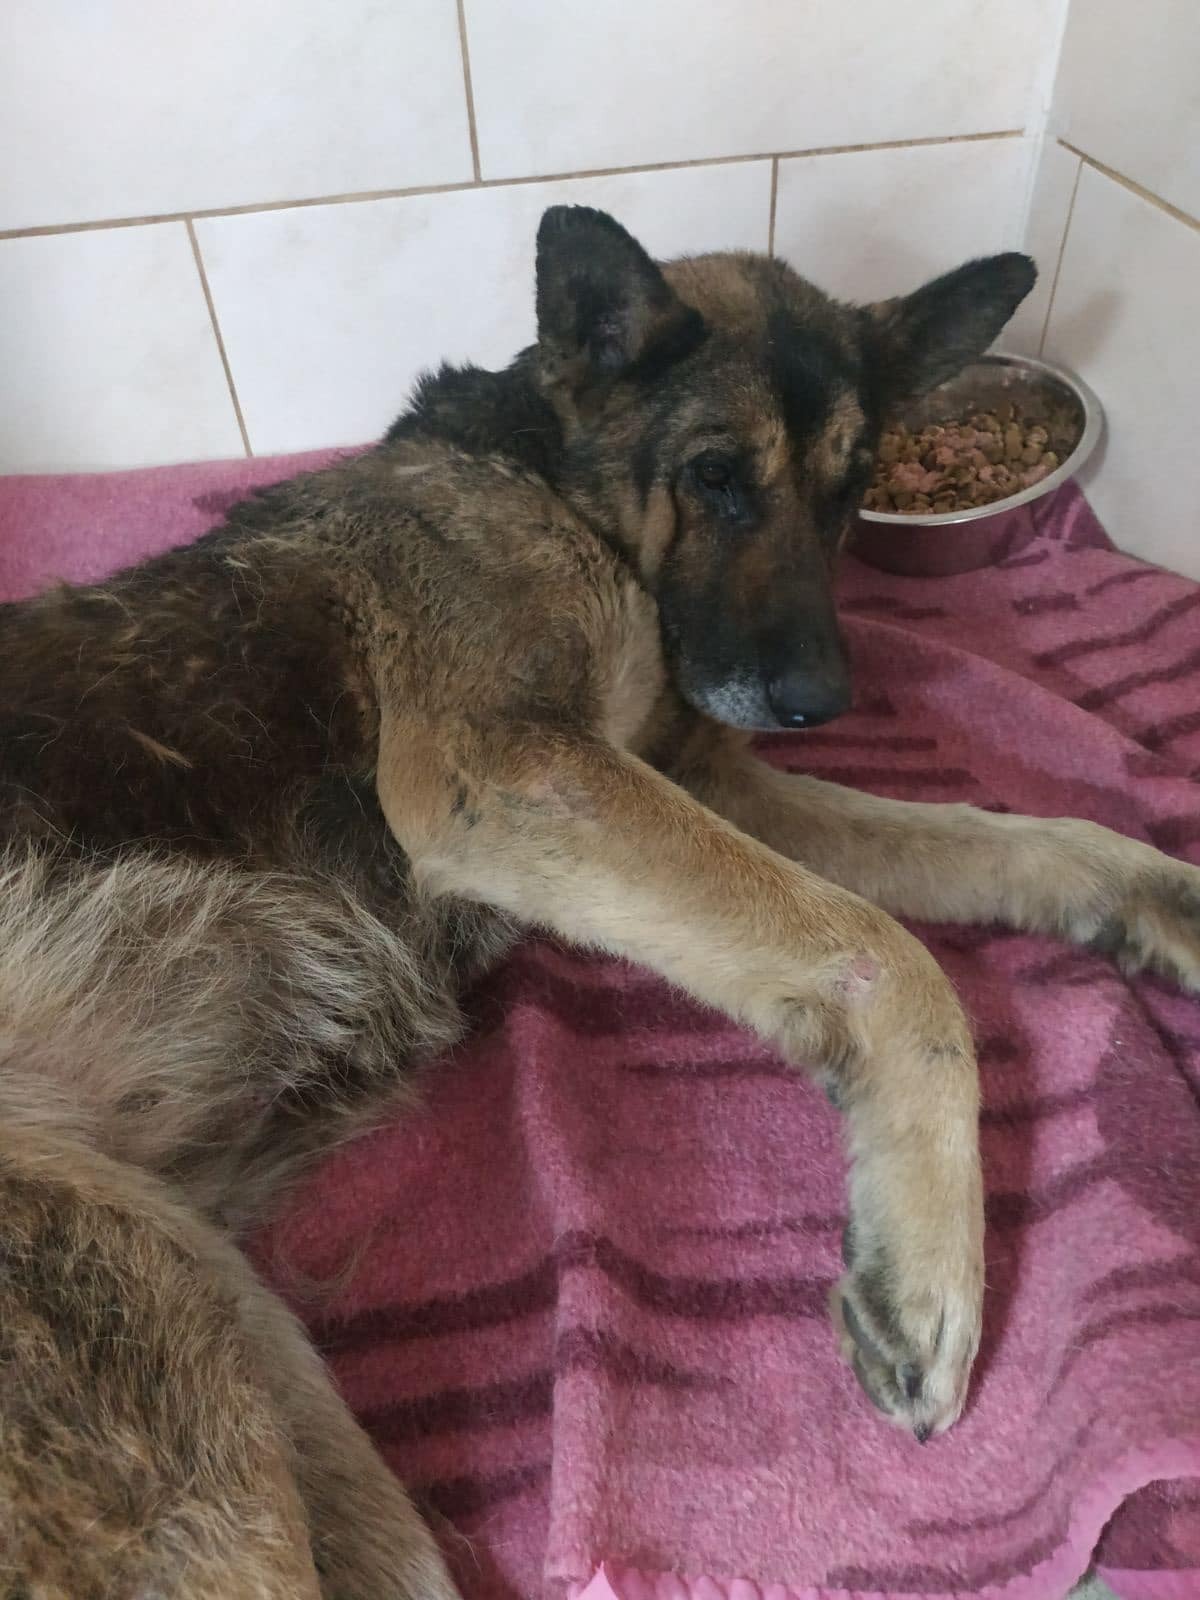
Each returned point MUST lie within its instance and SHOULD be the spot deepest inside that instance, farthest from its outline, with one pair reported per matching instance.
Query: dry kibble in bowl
(971, 461)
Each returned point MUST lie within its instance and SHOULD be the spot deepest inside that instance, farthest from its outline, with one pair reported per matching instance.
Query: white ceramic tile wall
(1128, 92)
(1045, 230)
(126, 113)
(871, 223)
(248, 109)
(238, 114)
(610, 83)
(329, 312)
(1124, 314)
(108, 353)
(128, 109)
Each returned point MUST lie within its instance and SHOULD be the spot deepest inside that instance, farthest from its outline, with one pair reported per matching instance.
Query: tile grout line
(1062, 250)
(1134, 188)
(774, 197)
(466, 64)
(359, 198)
(216, 328)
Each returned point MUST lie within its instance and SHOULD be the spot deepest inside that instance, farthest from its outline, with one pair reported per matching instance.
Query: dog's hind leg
(165, 1429)
(567, 832)
(955, 863)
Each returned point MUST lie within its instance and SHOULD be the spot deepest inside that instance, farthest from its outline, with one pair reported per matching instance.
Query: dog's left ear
(602, 303)
(921, 339)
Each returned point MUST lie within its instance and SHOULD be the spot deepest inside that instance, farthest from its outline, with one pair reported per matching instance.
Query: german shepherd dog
(269, 802)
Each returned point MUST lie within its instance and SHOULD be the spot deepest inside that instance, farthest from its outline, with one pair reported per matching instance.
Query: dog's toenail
(921, 1432)
(859, 1334)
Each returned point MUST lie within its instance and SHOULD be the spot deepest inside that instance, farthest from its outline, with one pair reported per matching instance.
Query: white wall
(233, 225)
(236, 226)
(1115, 222)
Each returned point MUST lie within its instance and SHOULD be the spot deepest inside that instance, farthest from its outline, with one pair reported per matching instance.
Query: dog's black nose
(806, 699)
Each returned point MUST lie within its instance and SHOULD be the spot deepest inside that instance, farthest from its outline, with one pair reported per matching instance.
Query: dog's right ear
(603, 306)
(924, 338)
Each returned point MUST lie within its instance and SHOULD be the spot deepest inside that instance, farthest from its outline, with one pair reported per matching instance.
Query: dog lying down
(271, 801)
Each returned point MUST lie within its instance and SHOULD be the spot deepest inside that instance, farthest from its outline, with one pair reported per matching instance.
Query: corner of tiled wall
(1116, 208)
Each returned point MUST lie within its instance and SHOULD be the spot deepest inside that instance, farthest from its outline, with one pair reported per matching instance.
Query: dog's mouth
(739, 701)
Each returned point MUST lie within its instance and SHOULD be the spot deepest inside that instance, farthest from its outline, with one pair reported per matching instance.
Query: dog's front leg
(568, 833)
(954, 863)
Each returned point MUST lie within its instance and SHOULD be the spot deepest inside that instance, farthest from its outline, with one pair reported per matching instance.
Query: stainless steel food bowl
(945, 542)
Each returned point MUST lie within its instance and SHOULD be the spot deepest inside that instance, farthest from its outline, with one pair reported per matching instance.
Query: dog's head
(721, 417)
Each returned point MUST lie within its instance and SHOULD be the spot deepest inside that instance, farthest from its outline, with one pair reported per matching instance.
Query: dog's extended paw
(1156, 924)
(910, 1343)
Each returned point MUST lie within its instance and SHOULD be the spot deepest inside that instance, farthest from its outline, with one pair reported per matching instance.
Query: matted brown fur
(267, 803)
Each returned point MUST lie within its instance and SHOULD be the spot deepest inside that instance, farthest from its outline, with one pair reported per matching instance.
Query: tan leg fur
(572, 835)
(955, 863)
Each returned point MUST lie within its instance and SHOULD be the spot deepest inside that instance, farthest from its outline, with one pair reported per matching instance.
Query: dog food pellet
(958, 465)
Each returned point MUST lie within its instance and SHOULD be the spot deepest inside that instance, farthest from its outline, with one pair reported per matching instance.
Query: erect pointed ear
(602, 304)
(921, 339)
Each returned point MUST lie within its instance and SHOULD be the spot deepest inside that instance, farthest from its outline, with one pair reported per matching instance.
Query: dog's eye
(713, 471)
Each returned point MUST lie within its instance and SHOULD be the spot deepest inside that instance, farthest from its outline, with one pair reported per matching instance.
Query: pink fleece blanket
(579, 1301)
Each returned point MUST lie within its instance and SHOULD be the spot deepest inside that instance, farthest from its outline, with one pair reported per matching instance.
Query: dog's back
(214, 957)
